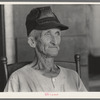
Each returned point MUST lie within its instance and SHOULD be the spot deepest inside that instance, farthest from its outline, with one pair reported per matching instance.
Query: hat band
(46, 20)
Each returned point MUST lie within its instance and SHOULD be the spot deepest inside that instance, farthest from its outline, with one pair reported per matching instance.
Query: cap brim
(51, 25)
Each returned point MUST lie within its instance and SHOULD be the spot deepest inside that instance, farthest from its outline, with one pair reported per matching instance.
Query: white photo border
(41, 95)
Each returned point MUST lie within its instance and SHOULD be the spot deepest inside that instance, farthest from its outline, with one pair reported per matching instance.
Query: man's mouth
(53, 47)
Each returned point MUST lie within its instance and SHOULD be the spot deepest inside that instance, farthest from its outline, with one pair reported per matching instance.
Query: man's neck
(45, 63)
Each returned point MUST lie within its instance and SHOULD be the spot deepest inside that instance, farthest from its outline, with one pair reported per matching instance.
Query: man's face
(48, 42)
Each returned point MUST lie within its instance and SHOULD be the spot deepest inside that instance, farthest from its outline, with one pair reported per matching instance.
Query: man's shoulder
(24, 69)
(68, 71)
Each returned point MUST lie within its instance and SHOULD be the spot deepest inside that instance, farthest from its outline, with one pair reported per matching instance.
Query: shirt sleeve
(80, 85)
(12, 84)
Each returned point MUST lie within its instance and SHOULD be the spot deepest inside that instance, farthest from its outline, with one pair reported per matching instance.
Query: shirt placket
(53, 81)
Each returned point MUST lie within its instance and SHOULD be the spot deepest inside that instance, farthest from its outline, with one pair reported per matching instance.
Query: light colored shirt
(28, 79)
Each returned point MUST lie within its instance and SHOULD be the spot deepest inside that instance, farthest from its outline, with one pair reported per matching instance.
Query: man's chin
(52, 54)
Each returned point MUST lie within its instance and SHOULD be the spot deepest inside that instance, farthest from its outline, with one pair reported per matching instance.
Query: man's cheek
(41, 47)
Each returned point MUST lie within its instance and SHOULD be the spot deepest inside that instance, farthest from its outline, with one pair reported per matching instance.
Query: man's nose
(54, 40)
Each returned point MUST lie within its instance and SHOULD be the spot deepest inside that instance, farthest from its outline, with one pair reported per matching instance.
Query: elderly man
(43, 75)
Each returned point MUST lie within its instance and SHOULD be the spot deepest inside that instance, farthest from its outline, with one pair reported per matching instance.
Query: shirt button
(54, 79)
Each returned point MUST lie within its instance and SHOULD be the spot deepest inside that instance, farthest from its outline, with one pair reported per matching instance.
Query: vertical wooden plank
(3, 59)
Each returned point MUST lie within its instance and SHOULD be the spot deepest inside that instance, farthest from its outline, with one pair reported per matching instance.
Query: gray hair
(35, 34)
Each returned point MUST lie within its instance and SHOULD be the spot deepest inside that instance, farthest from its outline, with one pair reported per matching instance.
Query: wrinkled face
(48, 42)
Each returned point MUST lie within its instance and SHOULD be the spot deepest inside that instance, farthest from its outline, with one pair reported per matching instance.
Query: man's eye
(58, 33)
(47, 33)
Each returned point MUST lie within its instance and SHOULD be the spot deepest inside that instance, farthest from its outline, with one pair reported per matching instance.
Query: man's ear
(32, 42)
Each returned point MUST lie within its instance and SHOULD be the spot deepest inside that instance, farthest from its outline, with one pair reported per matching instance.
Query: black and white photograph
(49, 48)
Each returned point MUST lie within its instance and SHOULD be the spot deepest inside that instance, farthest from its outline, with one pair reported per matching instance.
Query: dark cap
(41, 19)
